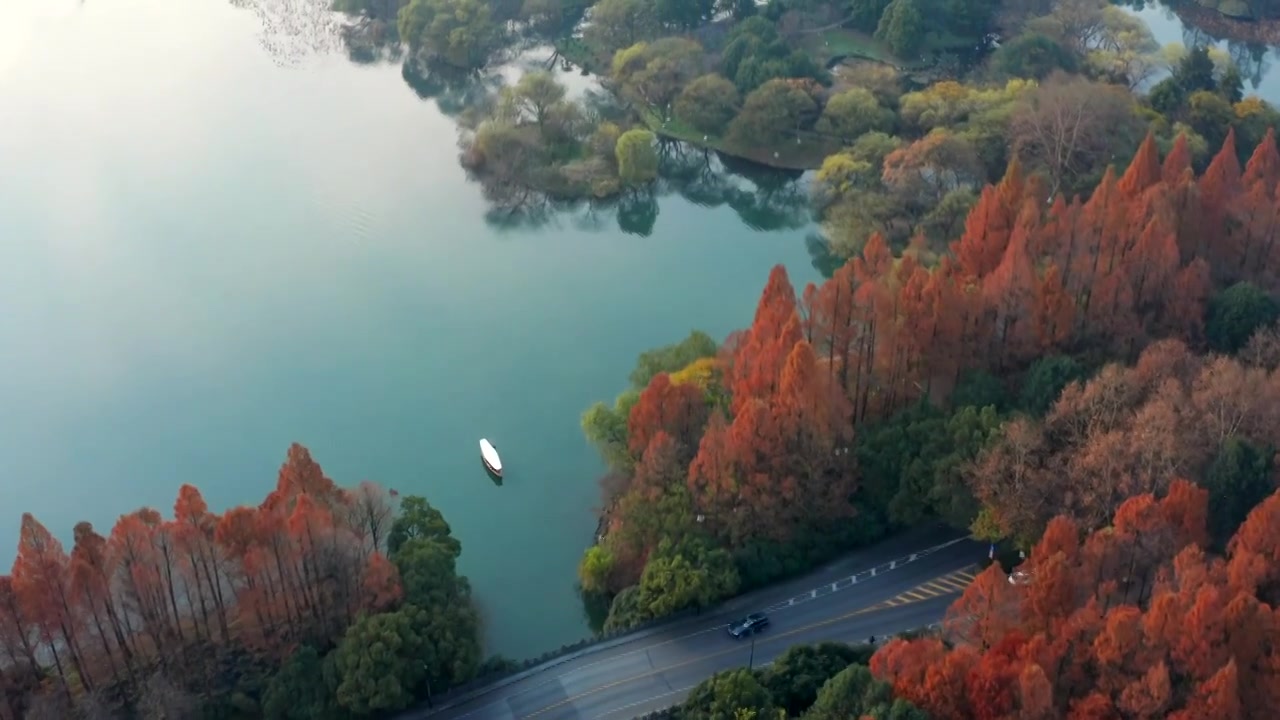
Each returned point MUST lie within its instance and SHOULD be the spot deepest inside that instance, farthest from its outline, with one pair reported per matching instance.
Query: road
(885, 589)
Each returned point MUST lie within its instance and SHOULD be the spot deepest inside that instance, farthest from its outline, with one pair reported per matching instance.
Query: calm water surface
(205, 256)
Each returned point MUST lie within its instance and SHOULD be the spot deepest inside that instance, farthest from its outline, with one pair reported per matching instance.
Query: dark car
(753, 623)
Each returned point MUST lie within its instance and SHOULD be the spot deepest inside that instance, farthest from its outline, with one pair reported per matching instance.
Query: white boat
(489, 454)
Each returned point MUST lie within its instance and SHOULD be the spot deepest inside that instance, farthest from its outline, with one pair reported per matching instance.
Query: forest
(1064, 357)
(1148, 617)
(320, 603)
(906, 108)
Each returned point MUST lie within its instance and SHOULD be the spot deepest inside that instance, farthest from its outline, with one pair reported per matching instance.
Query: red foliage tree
(1189, 644)
(679, 410)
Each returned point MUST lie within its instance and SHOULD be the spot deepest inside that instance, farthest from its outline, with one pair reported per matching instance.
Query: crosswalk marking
(952, 583)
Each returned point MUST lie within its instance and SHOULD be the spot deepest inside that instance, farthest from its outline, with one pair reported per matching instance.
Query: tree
(1236, 313)
(678, 410)
(381, 661)
(294, 693)
(459, 32)
(853, 113)
(1045, 380)
(1071, 128)
(902, 27)
(773, 111)
(692, 575)
(418, 519)
(723, 694)
(708, 104)
(655, 73)
(855, 693)
(616, 24)
(796, 676)
(865, 14)
(535, 94)
(1239, 478)
(637, 157)
(41, 582)
(1032, 55)
(683, 14)
(933, 166)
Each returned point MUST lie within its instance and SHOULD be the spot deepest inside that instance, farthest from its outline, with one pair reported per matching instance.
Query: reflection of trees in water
(1202, 26)
(453, 90)
(293, 30)
(820, 255)
(764, 199)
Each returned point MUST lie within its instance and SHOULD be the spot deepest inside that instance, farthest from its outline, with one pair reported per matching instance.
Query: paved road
(885, 589)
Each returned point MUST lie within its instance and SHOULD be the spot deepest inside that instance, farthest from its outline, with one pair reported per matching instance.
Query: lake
(215, 241)
(207, 255)
(1257, 63)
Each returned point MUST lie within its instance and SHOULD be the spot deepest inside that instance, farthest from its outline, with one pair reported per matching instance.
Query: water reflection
(1247, 42)
(452, 90)
(764, 198)
(295, 30)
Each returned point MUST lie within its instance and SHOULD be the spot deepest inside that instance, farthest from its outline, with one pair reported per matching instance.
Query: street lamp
(751, 661)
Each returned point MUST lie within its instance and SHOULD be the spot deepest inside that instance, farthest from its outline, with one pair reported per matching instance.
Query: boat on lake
(489, 455)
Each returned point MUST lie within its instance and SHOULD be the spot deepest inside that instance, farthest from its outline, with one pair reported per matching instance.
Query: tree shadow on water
(453, 90)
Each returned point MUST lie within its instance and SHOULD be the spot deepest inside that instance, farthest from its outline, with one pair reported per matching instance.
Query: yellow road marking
(893, 602)
(952, 583)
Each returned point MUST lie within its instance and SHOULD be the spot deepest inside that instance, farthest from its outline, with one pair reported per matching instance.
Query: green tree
(385, 661)
(865, 14)
(914, 463)
(594, 570)
(616, 24)
(297, 691)
(1210, 115)
(690, 575)
(535, 95)
(722, 695)
(654, 73)
(637, 153)
(902, 27)
(855, 693)
(1239, 478)
(428, 574)
(1234, 315)
(773, 110)
(1032, 55)
(418, 519)
(462, 33)
(708, 104)
(672, 358)
(1045, 380)
(854, 113)
(683, 14)
(606, 428)
(796, 676)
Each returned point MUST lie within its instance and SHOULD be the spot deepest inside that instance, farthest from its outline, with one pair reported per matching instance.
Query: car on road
(749, 625)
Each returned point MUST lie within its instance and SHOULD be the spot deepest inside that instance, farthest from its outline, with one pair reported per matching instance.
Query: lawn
(841, 42)
(790, 155)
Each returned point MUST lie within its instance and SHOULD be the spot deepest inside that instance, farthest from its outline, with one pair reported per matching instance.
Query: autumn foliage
(173, 591)
(1132, 621)
(1031, 275)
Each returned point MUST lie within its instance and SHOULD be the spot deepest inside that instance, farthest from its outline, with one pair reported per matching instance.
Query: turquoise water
(207, 254)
